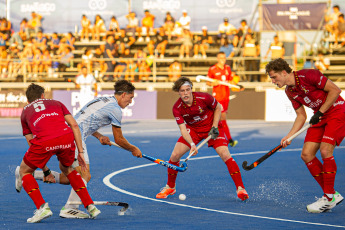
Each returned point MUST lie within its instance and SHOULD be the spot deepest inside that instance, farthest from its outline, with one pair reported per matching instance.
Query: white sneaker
(195, 56)
(140, 39)
(161, 56)
(147, 39)
(204, 56)
(18, 184)
(40, 214)
(181, 56)
(322, 205)
(338, 198)
(93, 211)
(73, 213)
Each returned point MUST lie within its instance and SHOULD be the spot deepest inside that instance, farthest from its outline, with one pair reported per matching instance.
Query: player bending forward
(310, 88)
(197, 115)
(96, 114)
(45, 129)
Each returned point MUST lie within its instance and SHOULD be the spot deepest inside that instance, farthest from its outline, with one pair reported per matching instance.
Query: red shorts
(197, 137)
(39, 154)
(330, 129)
(225, 105)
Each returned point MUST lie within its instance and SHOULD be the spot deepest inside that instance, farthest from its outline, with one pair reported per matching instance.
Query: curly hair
(179, 82)
(278, 65)
(34, 92)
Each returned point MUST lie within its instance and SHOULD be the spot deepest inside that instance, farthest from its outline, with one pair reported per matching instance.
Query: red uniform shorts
(225, 105)
(39, 154)
(330, 129)
(197, 137)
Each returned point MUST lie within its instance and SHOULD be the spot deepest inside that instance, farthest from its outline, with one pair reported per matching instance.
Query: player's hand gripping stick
(198, 147)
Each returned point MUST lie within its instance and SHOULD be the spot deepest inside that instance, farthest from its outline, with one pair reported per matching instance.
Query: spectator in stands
(22, 29)
(114, 26)
(15, 64)
(147, 24)
(65, 59)
(85, 28)
(161, 40)
(17, 40)
(339, 31)
(70, 40)
(121, 65)
(228, 49)
(144, 71)
(131, 66)
(242, 30)
(124, 41)
(4, 61)
(185, 20)
(86, 60)
(54, 43)
(151, 47)
(140, 56)
(251, 49)
(2, 42)
(276, 48)
(98, 28)
(332, 19)
(27, 59)
(202, 43)
(226, 29)
(40, 40)
(133, 23)
(175, 70)
(169, 24)
(47, 63)
(37, 66)
(85, 81)
(187, 43)
(5, 28)
(110, 53)
(322, 63)
(98, 64)
(34, 24)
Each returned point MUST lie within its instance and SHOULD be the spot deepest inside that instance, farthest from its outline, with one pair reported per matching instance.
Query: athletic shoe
(233, 143)
(94, 212)
(73, 213)
(165, 192)
(242, 193)
(18, 184)
(338, 198)
(322, 205)
(40, 214)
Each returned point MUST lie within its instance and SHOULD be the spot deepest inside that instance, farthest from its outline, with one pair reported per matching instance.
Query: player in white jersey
(85, 82)
(97, 113)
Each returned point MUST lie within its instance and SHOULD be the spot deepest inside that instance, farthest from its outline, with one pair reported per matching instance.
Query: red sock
(172, 174)
(79, 187)
(315, 169)
(235, 172)
(31, 187)
(329, 172)
(226, 129)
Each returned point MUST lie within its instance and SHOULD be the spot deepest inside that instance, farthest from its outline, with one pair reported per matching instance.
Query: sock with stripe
(31, 187)
(235, 172)
(172, 174)
(79, 190)
(329, 172)
(315, 169)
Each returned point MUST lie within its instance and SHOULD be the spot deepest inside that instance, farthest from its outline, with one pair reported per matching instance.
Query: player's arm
(301, 117)
(333, 94)
(122, 141)
(29, 137)
(185, 134)
(103, 139)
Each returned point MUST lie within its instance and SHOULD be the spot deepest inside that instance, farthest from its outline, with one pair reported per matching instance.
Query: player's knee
(326, 152)
(306, 157)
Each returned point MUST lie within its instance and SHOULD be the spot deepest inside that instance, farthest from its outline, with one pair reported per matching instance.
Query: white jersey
(98, 113)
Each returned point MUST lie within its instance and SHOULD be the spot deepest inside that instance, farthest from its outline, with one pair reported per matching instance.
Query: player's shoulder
(214, 67)
(201, 95)
(178, 104)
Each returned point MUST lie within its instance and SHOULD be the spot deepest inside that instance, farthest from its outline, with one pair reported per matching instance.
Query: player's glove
(316, 118)
(214, 132)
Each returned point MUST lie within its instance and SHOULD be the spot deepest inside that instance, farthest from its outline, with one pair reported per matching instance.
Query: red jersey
(199, 116)
(44, 118)
(308, 91)
(220, 92)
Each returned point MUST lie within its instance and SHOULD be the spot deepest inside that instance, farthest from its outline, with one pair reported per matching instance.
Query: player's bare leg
(222, 121)
(170, 189)
(234, 171)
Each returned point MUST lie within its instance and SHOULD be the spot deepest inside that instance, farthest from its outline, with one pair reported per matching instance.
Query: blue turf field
(279, 188)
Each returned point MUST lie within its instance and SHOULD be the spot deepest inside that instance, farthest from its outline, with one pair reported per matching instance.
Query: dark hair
(113, 17)
(123, 86)
(179, 82)
(336, 6)
(221, 52)
(275, 36)
(34, 92)
(244, 20)
(341, 16)
(278, 65)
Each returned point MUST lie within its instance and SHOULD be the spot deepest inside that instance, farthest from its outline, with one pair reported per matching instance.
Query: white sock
(330, 196)
(74, 197)
(38, 175)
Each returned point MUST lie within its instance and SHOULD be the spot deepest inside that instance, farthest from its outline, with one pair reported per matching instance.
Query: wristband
(191, 144)
(47, 173)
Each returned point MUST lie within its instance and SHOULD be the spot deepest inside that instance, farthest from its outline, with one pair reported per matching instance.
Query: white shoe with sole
(42, 213)
(93, 211)
(18, 184)
(73, 213)
(322, 205)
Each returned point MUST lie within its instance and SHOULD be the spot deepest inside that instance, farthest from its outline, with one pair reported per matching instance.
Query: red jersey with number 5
(44, 118)
(199, 116)
(308, 91)
(220, 92)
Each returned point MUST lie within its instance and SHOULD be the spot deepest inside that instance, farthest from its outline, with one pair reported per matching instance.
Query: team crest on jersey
(224, 77)
(304, 89)
(200, 109)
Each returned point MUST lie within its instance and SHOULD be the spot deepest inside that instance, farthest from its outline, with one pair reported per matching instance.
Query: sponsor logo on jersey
(295, 97)
(185, 115)
(43, 116)
(320, 80)
(338, 103)
(58, 147)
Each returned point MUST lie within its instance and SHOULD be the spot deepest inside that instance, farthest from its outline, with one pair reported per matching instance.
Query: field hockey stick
(200, 77)
(198, 147)
(181, 168)
(124, 205)
(271, 152)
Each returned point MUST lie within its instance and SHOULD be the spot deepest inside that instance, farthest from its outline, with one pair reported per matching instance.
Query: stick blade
(245, 167)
